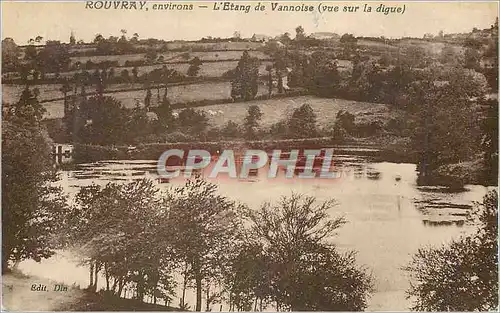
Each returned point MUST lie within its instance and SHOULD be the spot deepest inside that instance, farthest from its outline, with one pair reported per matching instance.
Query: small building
(260, 38)
(63, 153)
(324, 35)
(487, 62)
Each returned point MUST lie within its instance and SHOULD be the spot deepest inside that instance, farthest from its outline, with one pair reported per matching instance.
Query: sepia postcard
(249, 156)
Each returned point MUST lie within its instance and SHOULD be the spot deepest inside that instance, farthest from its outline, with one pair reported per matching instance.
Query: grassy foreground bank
(17, 295)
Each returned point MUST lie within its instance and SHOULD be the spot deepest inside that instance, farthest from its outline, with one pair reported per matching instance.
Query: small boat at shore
(163, 180)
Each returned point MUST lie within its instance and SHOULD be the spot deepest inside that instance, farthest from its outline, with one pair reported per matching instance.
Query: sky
(22, 20)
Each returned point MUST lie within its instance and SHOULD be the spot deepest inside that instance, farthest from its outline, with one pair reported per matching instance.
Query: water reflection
(389, 216)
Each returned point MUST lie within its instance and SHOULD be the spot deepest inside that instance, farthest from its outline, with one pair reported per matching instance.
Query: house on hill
(324, 35)
(260, 38)
(487, 62)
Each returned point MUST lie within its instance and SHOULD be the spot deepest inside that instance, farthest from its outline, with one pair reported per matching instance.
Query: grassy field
(11, 93)
(375, 44)
(433, 48)
(212, 69)
(275, 110)
(214, 45)
(119, 58)
(220, 55)
(170, 56)
(176, 94)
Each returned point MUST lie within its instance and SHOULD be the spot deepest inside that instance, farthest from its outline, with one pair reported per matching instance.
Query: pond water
(389, 217)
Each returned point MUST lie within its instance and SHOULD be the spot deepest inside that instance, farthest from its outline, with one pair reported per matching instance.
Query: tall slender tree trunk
(270, 84)
(5, 265)
(208, 298)
(154, 294)
(106, 273)
(115, 284)
(121, 284)
(6, 253)
(140, 287)
(96, 275)
(184, 286)
(198, 289)
(65, 93)
(198, 293)
(91, 282)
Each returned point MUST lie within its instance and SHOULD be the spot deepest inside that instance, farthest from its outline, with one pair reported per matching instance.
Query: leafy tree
(125, 75)
(165, 115)
(344, 125)
(98, 38)
(449, 55)
(72, 39)
(244, 84)
(135, 38)
(299, 33)
(194, 67)
(31, 205)
(285, 38)
(280, 129)
(162, 76)
(252, 120)
(492, 52)
(269, 69)
(28, 110)
(151, 56)
(415, 56)
(134, 72)
(302, 123)
(230, 130)
(349, 43)
(367, 82)
(53, 58)
(463, 275)
(439, 137)
(203, 227)
(30, 53)
(489, 142)
(326, 77)
(247, 278)
(192, 120)
(10, 55)
(115, 229)
(472, 58)
(139, 124)
(106, 121)
(65, 88)
(147, 99)
(303, 271)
